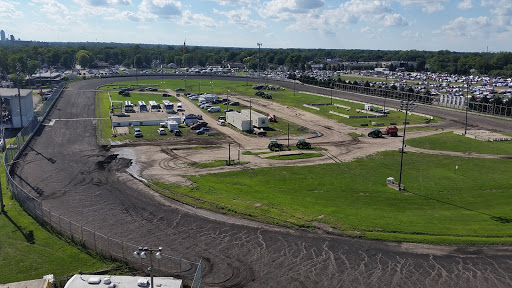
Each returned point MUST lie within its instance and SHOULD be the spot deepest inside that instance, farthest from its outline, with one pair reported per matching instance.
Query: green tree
(84, 58)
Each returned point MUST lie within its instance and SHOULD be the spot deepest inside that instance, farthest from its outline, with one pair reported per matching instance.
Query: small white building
(11, 103)
(238, 120)
(258, 120)
(105, 281)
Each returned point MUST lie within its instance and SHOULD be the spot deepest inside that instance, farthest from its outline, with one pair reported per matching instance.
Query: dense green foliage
(66, 54)
(440, 205)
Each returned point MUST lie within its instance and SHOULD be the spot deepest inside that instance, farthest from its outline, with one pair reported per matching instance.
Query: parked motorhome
(128, 107)
(154, 105)
(142, 106)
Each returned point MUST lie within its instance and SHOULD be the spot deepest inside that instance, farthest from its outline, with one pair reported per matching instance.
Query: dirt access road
(238, 253)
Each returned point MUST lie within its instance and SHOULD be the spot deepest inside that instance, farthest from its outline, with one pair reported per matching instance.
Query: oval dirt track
(238, 253)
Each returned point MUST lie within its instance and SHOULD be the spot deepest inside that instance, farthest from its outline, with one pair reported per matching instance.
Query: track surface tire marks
(237, 254)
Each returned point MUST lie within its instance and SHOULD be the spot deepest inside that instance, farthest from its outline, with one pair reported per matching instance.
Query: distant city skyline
(456, 25)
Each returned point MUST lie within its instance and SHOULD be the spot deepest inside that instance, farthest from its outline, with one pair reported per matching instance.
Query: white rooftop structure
(114, 281)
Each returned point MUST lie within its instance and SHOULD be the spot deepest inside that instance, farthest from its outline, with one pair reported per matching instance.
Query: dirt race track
(238, 253)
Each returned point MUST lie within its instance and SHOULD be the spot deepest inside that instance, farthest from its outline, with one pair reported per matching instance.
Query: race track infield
(238, 253)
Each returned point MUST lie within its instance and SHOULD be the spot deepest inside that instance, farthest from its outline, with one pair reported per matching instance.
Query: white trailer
(142, 106)
(176, 119)
(258, 120)
(128, 107)
(154, 105)
(168, 106)
(172, 125)
(238, 120)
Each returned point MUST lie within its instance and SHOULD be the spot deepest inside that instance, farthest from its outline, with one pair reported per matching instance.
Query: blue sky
(456, 25)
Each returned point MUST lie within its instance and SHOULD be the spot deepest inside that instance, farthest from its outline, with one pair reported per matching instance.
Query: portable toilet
(172, 125)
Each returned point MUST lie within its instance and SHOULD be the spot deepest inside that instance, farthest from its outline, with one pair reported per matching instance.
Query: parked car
(228, 110)
(221, 122)
(234, 103)
(177, 132)
(202, 131)
(161, 131)
(382, 111)
(137, 133)
(198, 125)
(166, 95)
(180, 89)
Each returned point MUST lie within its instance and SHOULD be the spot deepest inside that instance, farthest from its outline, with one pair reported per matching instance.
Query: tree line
(29, 57)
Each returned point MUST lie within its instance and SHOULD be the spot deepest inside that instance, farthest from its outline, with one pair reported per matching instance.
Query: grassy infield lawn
(441, 204)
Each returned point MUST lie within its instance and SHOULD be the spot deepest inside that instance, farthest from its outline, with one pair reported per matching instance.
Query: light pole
(331, 91)
(259, 54)
(18, 68)
(467, 108)
(250, 115)
(386, 92)
(142, 254)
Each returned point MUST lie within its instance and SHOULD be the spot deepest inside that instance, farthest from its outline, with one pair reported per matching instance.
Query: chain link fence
(188, 271)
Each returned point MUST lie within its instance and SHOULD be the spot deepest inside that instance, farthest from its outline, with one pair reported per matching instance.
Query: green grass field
(29, 251)
(441, 205)
(449, 141)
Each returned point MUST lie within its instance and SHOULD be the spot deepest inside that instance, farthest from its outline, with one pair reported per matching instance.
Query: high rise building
(2, 35)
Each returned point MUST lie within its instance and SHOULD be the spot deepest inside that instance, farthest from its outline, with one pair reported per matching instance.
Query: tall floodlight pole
(259, 56)
(467, 107)
(18, 72)
(408, 107)
(250, 115)
(386, 92)
(331, 91)
(142, 254)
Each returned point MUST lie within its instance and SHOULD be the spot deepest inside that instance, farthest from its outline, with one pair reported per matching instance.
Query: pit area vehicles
(275, 146)
(390, 130)
(303, 144)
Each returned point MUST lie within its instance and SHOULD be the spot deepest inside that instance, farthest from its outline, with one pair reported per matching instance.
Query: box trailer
(238, 120)
(172, 125)
(176, 119)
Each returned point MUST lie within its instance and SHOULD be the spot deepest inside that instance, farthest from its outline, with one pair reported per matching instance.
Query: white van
(214, 109)
(179, 107)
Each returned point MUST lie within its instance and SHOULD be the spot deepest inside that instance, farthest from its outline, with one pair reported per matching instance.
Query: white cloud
(233, 2)
(187, 18)
(241, 17)
(411, 35)
(466, 27)
(105, 2)
(8, 11)
(465, 5)
(161, 8)
(502, 11)
(288, 9)
(428, 6)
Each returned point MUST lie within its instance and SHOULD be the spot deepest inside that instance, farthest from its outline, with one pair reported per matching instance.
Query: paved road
(243, 254)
